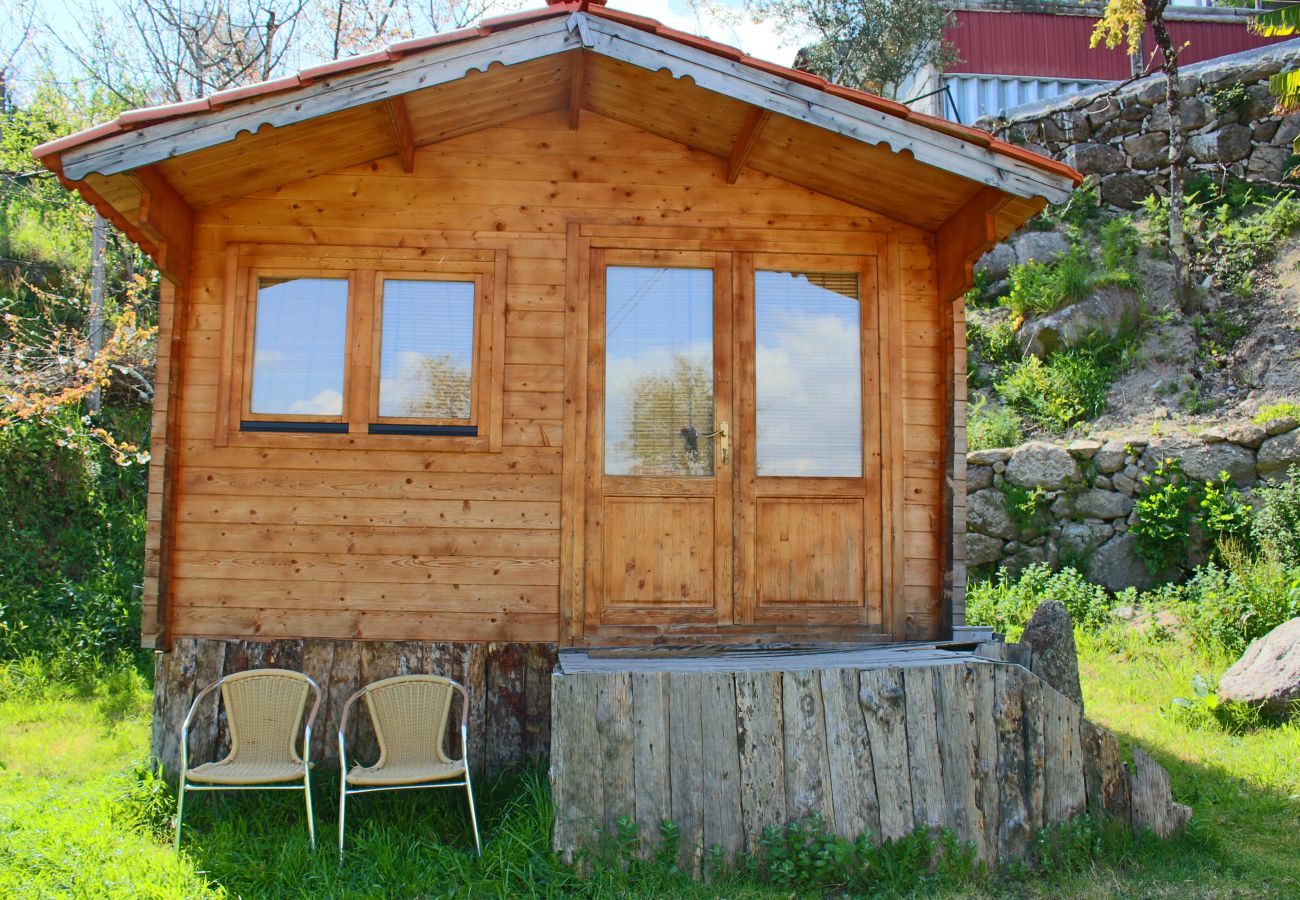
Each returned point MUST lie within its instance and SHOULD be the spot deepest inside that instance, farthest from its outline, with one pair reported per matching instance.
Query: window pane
(809, 374)
(427, 350)
(298, 346)
(658, 371)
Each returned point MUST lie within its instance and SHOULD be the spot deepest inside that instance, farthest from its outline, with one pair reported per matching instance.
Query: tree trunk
(98, 250)
(1177, 239)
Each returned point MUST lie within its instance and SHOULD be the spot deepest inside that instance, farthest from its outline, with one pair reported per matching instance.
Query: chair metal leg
(311, 820)
(343, 812)
(180, 810)
(473, 817)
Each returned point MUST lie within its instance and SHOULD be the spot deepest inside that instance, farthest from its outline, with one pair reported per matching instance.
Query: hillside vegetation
(1077, 331)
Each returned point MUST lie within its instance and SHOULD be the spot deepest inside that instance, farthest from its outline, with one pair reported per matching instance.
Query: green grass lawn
(78, 820)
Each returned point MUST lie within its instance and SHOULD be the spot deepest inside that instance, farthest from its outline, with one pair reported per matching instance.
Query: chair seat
(397, 774)
(245, 772)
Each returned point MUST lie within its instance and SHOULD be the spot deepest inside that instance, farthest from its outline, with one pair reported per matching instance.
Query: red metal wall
(1056, 46)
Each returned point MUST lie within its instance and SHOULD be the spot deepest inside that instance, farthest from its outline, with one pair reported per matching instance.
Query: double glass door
(733, 441)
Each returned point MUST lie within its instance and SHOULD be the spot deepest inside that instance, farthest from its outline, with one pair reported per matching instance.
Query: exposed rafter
(403, 137)
(964, 238)
(577, 88)
(749, 134)
(167, 220)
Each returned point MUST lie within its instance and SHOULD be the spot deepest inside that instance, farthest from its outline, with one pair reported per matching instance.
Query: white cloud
(809, 397)
(328, 402)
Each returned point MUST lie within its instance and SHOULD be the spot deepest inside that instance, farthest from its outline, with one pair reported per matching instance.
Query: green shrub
(1231, 227)
(72, 558)
(806, 858)
(1276, 526)
(1226, 607)
(1028, 509)
(1120, 242)
(1274, 411)
(1006, 603)
(995, 346)
(1226, 516)
(1165, 511)
(1042, 287)
(987, 428)
(1069, 387)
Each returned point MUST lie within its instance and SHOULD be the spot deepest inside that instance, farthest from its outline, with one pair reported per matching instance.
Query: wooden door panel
(659, 552)
(810, 552)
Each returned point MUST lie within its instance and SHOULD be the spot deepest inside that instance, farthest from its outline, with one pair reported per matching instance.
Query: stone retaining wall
(1122, 139)
(1088, 494)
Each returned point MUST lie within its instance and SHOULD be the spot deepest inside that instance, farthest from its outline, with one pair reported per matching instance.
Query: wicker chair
(264, 708)
(409, 714)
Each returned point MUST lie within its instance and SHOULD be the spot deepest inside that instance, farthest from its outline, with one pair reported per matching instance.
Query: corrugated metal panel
(1052, 46)
(985, 95)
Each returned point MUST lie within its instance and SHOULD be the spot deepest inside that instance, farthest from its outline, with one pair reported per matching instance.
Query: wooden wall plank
(807, 761)
(718, 732)
(852, 769)
(925, 765)
(614, 726)
(651, 756)
(882, 700)
(760, 732)
(686, 768)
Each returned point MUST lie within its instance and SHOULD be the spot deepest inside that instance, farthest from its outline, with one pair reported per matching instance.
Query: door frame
(599, 486)
(752, 489)
(582, 239)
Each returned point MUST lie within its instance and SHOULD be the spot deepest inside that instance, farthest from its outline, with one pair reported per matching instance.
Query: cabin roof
(516, 65)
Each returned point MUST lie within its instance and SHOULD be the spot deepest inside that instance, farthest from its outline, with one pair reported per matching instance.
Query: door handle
(724, 445)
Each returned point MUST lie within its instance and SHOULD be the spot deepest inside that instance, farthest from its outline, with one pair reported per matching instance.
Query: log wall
(981, 747)
(509, 687)
(353, 537)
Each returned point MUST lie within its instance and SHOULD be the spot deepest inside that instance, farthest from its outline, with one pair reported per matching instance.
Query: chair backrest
(409, 714)
(264, 708)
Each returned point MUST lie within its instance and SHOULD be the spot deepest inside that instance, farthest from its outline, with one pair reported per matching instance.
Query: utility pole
(98, 245)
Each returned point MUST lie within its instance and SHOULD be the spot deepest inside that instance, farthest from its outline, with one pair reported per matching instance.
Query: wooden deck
(871, 739)
(762, 658)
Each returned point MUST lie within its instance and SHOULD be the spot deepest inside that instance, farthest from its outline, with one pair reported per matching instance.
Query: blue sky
(65, 17)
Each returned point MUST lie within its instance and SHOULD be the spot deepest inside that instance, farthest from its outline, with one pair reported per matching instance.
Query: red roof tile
(129, 120)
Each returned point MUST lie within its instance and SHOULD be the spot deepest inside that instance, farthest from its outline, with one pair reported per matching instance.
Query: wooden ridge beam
(967, 235)
(403, 137)
(577, 88)
(746, 140)
(167, 220)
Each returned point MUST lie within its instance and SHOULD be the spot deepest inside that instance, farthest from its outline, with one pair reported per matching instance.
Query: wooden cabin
(564, 330)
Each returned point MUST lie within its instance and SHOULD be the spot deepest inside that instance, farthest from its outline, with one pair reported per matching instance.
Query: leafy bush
(1227, 607)
(73, 552)
(1042, 287)
(1119, 247)
(995, 346)
(806, 858)
(1276, 527)
(1164, 517)
(1226, 516)
(1068, 387)
(987, 427)
(1281, 410)
(1231, 229)
(1028, 509)
(1006, 603)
